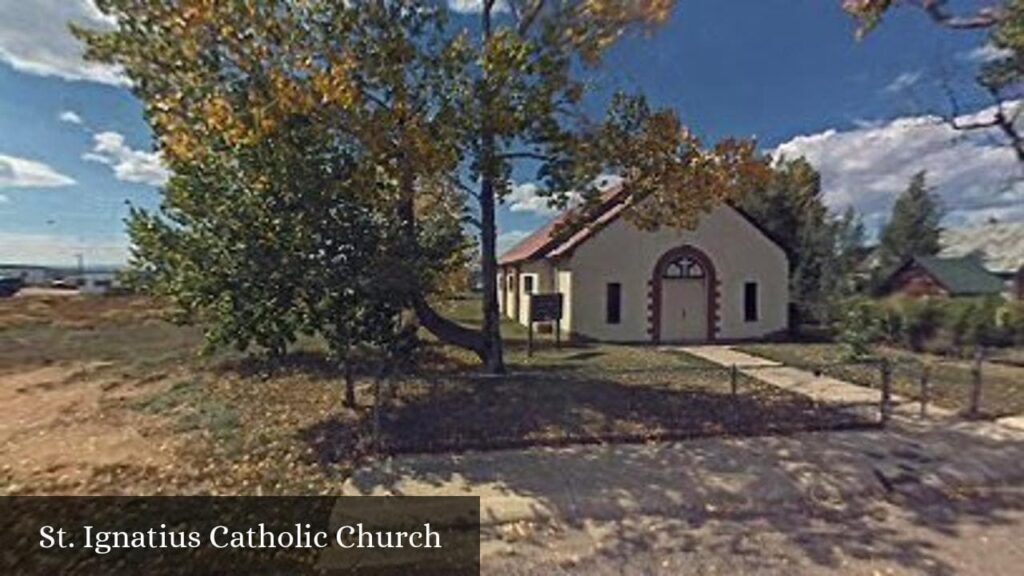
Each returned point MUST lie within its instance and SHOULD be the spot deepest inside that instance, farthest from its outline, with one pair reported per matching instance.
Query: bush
(921, 322)
(892, 322)
(858, 327)
(975, 322)
(1010, 319)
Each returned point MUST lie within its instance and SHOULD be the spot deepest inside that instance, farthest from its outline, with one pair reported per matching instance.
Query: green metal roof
(961, 276)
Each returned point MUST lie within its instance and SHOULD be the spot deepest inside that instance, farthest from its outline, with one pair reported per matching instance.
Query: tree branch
(983, 18)
(1004, 121)
(447, 331)
(525, 155)
(529, 17)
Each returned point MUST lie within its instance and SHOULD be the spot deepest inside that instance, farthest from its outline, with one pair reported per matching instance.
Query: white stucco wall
(544, 282)
(622, 253)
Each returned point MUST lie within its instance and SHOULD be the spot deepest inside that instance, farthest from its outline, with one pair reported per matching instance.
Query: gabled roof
(546, 243)
(959, 276)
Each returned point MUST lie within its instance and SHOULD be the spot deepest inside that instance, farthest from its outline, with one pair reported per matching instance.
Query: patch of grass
(951, 379)
(167, 400)
(219, 419)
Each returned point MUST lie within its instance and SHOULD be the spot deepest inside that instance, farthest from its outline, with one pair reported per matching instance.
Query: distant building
(932, 276)
(96, 283)
(29, 275)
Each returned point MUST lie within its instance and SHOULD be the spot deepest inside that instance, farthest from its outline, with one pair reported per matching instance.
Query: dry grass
(229, 425)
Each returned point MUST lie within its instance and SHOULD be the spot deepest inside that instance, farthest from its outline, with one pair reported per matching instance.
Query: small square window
(527, 284)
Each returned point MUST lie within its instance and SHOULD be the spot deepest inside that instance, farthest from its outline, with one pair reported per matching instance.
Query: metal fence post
(975, 405)
(886, 407)
(926, 389)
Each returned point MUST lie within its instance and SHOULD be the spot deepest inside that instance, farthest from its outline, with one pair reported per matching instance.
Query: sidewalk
(827, 471)
(817, 387)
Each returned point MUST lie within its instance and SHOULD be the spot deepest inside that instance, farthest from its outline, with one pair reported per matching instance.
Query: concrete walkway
(820, 388)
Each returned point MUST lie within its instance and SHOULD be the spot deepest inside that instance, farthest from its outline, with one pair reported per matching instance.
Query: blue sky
(74, 147)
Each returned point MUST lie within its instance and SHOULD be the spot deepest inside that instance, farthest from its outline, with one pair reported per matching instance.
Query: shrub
(975, 322)
(921, 322)
(859, 326)
(1010, 319)
(892, 322)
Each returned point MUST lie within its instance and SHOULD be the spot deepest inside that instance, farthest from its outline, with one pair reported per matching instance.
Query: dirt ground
(64, 422)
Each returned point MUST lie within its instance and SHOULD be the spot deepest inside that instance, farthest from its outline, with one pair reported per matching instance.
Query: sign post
(545, 308)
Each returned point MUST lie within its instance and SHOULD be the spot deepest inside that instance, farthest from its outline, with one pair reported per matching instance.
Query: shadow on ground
(819, 492)
(565, 406)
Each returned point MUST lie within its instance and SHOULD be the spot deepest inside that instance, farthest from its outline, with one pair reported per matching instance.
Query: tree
(1000, 77)
(914, 228)
(432, 111)
(821, 248)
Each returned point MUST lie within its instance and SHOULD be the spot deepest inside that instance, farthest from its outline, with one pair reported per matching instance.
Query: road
(978, 535)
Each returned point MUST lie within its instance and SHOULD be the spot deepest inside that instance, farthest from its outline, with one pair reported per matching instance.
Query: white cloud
(69, 116)
(988, 53)
(525, 198)
(57, 250)
(22, 173)
(129, 165)
(976, 175)
(507, 240)
(474, 6)
(903, 82)
(34, 38)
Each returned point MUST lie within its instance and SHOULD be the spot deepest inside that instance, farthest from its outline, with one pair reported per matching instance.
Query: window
(750, 308)
(528, 284)
(683, 268)
(613, 303)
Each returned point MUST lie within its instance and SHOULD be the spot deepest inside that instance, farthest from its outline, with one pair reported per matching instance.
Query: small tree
(858, 328)
(913, 229)
(822, 249)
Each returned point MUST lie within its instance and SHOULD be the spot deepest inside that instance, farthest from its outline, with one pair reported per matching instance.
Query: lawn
(951, 379)
(102, 396)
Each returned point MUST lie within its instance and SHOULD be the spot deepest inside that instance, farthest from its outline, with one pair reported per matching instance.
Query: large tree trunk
(444, 329)
(493, 359)
(486, 343)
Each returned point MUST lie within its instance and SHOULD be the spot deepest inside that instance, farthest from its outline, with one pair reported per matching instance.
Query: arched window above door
(684, 268)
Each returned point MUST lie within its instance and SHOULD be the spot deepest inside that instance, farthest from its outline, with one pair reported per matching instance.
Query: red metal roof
(544, 242)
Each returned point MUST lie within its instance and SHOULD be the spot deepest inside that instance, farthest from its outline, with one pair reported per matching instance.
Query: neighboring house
(933, 276)
(1000, 247)
(725, 280)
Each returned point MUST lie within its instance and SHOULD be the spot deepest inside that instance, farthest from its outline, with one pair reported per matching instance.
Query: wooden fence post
(886, 407)
(376, 414)
(529, 340)
(734, 378)
(926, 389)
(975, 405)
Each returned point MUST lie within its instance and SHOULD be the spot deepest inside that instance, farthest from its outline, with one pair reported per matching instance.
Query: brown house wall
(915, 282)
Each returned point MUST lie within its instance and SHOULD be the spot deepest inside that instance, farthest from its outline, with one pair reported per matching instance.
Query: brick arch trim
(711, 289)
